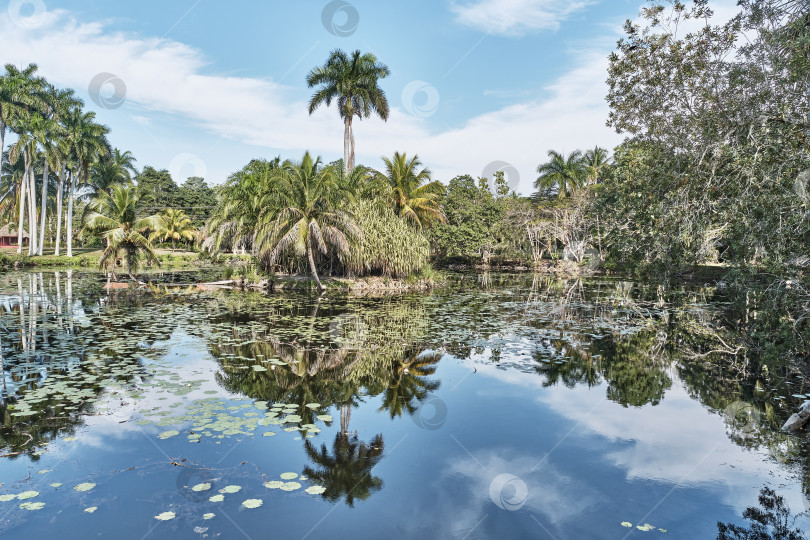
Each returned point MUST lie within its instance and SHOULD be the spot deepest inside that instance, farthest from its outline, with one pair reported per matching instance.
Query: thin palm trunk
(2, 145)
(312, 264)
(58, 239)
(43, 208)
(347, 146)
(21, 206)
(32, 211)
(69, 216)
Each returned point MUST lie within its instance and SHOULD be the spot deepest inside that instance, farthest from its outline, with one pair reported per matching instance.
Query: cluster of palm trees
(570, 174)
(305, 208)
(59, 148)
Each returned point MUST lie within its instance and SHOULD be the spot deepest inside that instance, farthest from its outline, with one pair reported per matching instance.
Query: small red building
(9, 238)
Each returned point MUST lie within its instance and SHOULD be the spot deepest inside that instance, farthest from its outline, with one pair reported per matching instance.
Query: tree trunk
(351, 153)
(312, 265)
(32, 211)
(2, 145)
(43, 208)
(59, 192)
(347, 146)
(21, 205)
(69, 217)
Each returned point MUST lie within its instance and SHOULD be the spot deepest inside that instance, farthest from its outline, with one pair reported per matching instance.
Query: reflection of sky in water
(588, 463)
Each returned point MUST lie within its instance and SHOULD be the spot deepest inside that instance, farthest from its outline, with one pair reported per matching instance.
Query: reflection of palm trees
(345, 473)
(409, 384)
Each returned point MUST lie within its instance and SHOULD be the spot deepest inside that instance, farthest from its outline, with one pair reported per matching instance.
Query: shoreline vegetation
(712, 181)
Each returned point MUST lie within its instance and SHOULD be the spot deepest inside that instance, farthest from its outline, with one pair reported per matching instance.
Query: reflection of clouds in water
(189, 356)
(552, 497)
(677, 442)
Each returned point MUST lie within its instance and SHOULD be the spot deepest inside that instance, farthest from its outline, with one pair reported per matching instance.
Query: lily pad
(252, 503)
(209, 515)
(32, 505)
(27, 495)
(91, 509)
(86, 486)
(230, 489)
(201, 487)
(165, 516)
(216, 498)
(167, 434)
(315, 490)
(273, 484)
(288, 476)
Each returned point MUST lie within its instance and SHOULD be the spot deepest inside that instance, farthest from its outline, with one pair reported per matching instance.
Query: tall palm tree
(25, 147)
(19, 94)
(174, 225)
(409, 384)
(413, 195)
(49, 137)
(566, 173)
(62, 102)
(114, 216)
(352, 81)
(595, 162)
(88, 143)
(310, 216)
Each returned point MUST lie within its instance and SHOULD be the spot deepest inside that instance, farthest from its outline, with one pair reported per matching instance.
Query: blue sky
(211, 85)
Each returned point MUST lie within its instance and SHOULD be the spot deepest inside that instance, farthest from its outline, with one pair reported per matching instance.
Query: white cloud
(166, 81)
(516, 17)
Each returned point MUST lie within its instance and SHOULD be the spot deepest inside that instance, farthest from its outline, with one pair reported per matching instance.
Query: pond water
(501, 407)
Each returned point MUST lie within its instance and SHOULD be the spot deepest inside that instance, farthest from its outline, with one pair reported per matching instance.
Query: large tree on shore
(114, 216)
(310, 217)
(88, 142)
(351, 80)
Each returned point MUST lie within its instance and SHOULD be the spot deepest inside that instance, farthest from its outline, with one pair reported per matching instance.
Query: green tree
(353, 82)
(309, 217)
(595, 161)
(247, 196)
(114, 216)
(413, 195)
(156, 188)
(566, 174)
(87, 141)
(174, 226)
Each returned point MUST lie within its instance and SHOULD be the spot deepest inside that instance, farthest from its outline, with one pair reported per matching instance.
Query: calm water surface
(501, 407)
